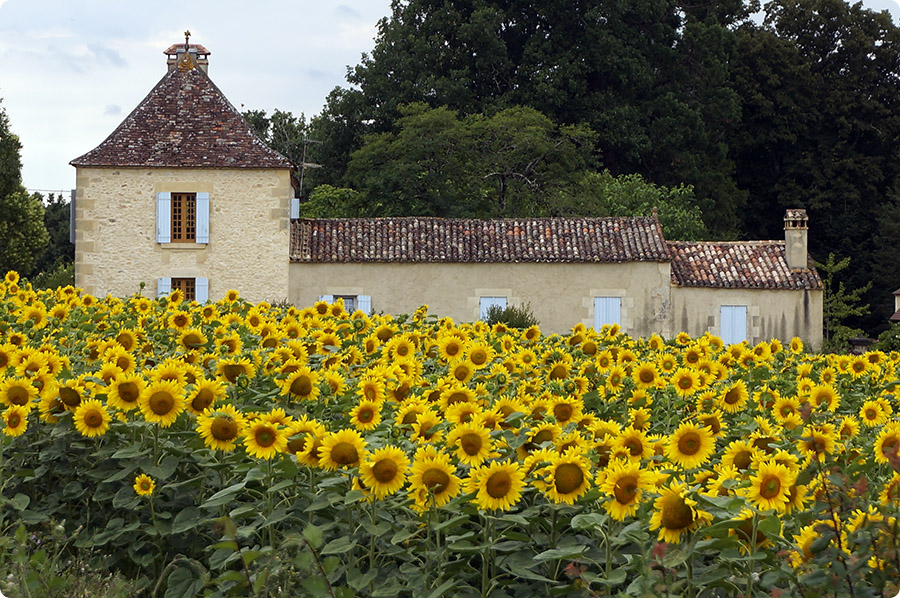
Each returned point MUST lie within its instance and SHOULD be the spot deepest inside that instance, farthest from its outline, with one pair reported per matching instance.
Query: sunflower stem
(156, 444)
(486, 557)
(751, 546)
(372, 540)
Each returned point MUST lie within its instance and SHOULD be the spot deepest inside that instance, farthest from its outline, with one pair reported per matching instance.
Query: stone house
(183, 195)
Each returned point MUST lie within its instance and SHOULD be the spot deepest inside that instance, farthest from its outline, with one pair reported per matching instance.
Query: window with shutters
(352, 303)
(184, 218)
(192, 289)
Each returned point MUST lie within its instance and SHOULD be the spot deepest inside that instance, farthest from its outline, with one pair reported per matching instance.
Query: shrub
(514, 317)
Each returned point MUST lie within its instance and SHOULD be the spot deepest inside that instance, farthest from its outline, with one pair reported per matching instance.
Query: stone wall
(248, 249)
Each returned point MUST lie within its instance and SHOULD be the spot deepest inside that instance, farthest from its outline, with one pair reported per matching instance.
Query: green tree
(821, 118)
(438, 164)
(332, 202)
(60, 252)
(23, 235)
(650, 79)
(839, 305)
(602, 194)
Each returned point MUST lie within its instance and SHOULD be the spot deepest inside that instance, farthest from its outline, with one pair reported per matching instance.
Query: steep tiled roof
(472, 241)
(185, 121)
(739, 265)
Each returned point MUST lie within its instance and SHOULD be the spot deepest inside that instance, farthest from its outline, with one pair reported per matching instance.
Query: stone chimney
(197, 55)
(796, 244)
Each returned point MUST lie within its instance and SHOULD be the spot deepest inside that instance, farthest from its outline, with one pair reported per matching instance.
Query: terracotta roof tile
(748, 264)
(185, 121)
(472, 241)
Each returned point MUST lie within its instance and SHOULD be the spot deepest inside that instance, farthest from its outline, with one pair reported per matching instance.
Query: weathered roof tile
(738, 265)
(418, 239)
(185, 121)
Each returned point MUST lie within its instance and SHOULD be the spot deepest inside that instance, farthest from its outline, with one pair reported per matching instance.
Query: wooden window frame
(187, 286)
(184, 217)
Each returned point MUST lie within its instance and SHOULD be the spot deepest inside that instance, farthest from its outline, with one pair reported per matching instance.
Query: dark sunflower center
(471, 443)
(371, 392)
(17, 395)
(742, 459)
(302, 386)
(559, 372)
(452, 349)
(568, 478)
(265, 437)
(646, 376)
(296, 445)
(542, 436)
(770, 487)
(365, 415)
(233, 370)
(626, 489)
(128, 392)
(13, 420)
(498, 484)
(457, 397)
(344, 453)
(69, 396)
(202, 400)
(562, 412)
(634, 447)
(93, 419)
(223, 429)
(161, 402)
(385, 471)
(436, 479)
(689, 443)
(685, 383)
(733, 396)
(192, 339)
(676, 514)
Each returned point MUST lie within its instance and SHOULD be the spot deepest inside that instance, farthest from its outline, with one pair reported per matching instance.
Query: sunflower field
(238, 449)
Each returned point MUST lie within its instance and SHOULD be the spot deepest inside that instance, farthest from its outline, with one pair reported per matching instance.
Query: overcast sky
(71, 70)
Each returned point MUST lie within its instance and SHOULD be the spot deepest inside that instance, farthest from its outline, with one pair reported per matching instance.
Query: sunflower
(342, 449)
(450, 347)
(462, 370)
(871, 413)
(371, 388)
(686, 381)
(568, 477)
(205, 393)
(460, 413)
(634, 443)
(427, 427)
(740, 454)
(566, 409)
(890, 494)
(15, 418)
(824, 396)
(690, 445)
(887, 445)
(263, 439)
(471, 443)
(817, 442)
(123, 392)
(384, 471)
(453, 394)
(221, 427)
(645, 375)
(432, 479)
(231, 369)
(674, 513)
(302, 383)
(91, 418)
(366, 415)
(624, 483)
(17, 391)
(769, 486)
(144, 485)
(162, 402)
(497, 486)
(735, 398)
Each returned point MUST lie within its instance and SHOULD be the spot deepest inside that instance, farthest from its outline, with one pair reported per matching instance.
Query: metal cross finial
(187, 36)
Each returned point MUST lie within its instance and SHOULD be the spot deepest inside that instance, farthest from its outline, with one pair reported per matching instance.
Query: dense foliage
(233, 449)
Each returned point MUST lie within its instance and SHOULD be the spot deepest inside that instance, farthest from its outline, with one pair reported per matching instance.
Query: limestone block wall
(560, 295)
(249, 242)
(781, 314)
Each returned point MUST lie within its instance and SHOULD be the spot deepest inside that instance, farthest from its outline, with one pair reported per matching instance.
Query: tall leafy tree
(23, 235)
(649, 78)
(821, 115)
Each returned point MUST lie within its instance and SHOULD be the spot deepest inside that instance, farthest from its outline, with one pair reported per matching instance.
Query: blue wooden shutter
(364, 303)
(201, 290)
(202, 235)
(295, 208)
(163, 286)
(733, 324)
(607, 310)
(163, 217)
(485, 303)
